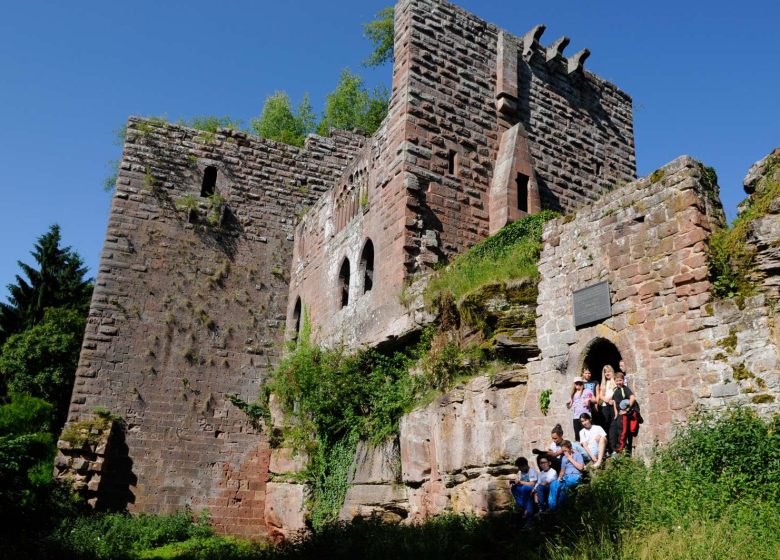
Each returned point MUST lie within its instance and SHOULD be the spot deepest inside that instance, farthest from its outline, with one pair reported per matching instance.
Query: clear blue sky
(703, 76)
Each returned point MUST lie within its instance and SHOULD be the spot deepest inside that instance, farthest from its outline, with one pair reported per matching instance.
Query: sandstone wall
(681, 347)
(184, 314)
(421, 191)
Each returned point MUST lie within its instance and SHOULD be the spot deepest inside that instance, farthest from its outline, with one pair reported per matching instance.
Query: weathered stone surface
(388, 501)
(284, 509)
(376, 464)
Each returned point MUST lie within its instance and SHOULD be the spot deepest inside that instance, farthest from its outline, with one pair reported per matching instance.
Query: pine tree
(58, 281)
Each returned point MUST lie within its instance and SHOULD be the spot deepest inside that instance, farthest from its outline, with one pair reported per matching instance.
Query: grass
(510, 254)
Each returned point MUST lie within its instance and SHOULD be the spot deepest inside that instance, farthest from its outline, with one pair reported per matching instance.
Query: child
(581, 400)
(572, 467)
(593, 439)
(542, 488)
(626, 416)
(592, 386)
(522, 488)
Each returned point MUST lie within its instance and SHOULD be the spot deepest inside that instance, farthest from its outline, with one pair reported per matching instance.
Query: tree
(381, 32)
(278, 121)
(350, 106)
(57, 282)
(41, 360)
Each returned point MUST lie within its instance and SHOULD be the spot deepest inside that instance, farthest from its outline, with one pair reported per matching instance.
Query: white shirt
(546, 477)
(588, 436)
(529, 476)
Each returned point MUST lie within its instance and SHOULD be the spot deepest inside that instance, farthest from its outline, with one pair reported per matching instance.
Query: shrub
(731, 261)
(120, 535)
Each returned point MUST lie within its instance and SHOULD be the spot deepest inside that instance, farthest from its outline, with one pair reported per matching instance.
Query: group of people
(605, 418)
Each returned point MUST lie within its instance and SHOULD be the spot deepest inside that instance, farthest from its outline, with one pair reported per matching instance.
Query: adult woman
(581, 400)
(606, 404)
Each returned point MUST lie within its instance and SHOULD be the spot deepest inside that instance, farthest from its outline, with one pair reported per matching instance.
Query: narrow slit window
(209, 185)
(344, 283)
(296, 320)
(522, 192)
(367, 266)
(452, 163)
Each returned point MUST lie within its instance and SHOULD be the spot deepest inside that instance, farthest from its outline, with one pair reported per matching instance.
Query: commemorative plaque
(591, 304)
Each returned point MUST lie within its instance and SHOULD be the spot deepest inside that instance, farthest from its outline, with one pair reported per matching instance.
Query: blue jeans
(558, 489)
(542, 495)
(523, 496)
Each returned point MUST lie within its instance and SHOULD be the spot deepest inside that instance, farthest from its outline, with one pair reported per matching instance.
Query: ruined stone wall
(682, 348)
(421, 191)
(579, 127)
(185, 314)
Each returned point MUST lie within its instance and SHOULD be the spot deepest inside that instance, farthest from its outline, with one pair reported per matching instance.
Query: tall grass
(508, 255)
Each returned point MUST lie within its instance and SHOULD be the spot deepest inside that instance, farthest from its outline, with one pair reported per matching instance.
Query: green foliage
(57, 281)
(41, 361)
(120, 535)
(350, 106)
(337, 399)
(209, 548)
(731, 261)
(216, 209)
(508, 255)
(88, 431)
(211, 123)
(381, 32)
(544, 401)
(255, 411)
(278, 121)
(186, 203)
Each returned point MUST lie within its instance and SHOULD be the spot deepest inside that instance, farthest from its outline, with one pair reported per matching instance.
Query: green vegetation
(381, 33)
(118, 535)
(350, 106)
(510, 254)
(211, 123)
(57, 281)
(41, 360)
(544, 401)
(711, 493)
(337, 399)
(278, 121)
(731, 261)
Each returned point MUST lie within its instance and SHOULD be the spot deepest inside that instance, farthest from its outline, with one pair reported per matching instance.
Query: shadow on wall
(114, 493)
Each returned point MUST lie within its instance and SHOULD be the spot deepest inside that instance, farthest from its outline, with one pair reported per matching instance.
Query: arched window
(598, 353)
(367, 266)
(209, 185)
(296, 320)
(344, 283)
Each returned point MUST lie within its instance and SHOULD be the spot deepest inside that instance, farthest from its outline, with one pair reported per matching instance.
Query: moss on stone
(741, 372)
(729, 343)
(762, 399)
(87, 432)
(656, 176)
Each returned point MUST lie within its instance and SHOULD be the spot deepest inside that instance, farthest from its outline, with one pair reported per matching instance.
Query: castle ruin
(483, 128)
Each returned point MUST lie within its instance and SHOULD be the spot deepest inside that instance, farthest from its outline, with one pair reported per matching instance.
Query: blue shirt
(568, 469)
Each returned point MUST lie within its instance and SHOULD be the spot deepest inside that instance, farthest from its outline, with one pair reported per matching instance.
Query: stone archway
(597, 353)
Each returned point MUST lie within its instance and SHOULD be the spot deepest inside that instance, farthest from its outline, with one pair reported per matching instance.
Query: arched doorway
(599, 352)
